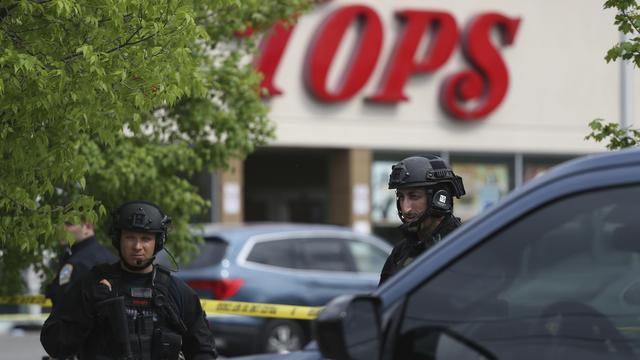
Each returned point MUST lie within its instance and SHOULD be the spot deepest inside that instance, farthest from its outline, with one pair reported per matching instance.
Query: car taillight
(220, 289)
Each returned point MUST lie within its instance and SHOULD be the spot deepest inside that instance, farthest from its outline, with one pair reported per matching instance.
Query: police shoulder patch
(65, 274)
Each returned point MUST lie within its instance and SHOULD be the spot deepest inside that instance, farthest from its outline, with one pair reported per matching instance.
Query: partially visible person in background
(425, 187)
(85, 253)
(132, 308)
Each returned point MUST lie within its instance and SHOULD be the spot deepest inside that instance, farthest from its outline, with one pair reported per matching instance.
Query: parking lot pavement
(21, 345)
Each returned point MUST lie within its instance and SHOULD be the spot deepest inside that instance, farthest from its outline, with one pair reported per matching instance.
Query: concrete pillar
(230, 189)
(350, 188)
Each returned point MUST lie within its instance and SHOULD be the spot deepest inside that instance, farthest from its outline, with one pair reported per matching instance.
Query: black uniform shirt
(411, 247)
(84, 255)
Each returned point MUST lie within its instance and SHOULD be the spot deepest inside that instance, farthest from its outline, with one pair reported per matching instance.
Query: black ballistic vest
(154, 327)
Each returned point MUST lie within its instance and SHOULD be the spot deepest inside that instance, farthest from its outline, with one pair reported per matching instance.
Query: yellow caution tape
(37, 318)
(260, 310)
(25, 300)
(209, 306)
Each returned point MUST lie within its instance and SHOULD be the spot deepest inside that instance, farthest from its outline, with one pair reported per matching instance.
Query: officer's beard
(415, 226)
(418, 229)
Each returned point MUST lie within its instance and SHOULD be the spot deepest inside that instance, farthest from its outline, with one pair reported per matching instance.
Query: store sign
(469, 94)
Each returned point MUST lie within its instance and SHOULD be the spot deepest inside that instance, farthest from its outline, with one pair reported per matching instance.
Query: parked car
(291, 264)
(549, 273)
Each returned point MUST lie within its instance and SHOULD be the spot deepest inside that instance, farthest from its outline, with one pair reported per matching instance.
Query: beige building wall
(558, 82)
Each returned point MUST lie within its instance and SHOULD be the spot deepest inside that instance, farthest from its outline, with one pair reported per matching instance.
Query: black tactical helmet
(425, 171)
(140, 216)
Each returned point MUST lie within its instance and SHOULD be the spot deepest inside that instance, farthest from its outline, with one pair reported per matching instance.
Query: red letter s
(488, 83)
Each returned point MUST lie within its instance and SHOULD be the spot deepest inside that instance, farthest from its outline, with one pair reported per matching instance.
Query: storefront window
(383, 200)
(485, 182)
(538, 165)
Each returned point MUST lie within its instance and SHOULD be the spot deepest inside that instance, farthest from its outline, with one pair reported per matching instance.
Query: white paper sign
(360, 199)
(231, 198)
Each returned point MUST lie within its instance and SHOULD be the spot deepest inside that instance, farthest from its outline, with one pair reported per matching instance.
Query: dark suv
(549, 273)
(291, 264)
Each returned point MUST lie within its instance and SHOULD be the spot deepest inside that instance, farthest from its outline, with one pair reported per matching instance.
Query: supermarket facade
(502, 89)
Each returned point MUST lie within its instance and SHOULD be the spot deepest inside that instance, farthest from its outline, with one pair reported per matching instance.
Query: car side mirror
(348, 328)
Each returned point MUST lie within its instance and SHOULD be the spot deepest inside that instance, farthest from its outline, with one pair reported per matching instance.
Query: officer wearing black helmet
(425, 187)
(131, 309)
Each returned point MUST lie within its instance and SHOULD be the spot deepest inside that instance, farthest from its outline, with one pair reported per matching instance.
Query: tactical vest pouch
(166, 344)
(112, 311)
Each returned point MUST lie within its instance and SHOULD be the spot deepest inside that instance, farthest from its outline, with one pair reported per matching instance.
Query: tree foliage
(616, 136)
(627, 20)
(106, 101)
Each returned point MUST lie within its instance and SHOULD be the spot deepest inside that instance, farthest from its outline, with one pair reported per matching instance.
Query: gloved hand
(102, 291)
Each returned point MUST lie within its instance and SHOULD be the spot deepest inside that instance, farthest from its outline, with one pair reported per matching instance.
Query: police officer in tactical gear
(131, 309)
(425, 187)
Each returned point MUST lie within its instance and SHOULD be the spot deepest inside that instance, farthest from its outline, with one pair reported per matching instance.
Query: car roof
(243, 231)
(261, 228)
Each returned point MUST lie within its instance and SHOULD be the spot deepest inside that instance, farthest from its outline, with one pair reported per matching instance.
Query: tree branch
(126, 43)
(631, 22)
(131, 43)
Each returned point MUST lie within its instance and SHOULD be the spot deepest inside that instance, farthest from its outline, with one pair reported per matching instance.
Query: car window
(368, 258)
(274, 253)
(211, 252)
(560, 283)
(325, 254)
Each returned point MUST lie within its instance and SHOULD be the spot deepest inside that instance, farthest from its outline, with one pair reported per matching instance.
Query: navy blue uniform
(84, 255)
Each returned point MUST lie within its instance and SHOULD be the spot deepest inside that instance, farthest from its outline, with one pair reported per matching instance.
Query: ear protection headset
(141, 216)
(441, 202)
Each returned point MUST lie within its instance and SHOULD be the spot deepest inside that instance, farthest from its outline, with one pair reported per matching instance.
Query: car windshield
(211, 252)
